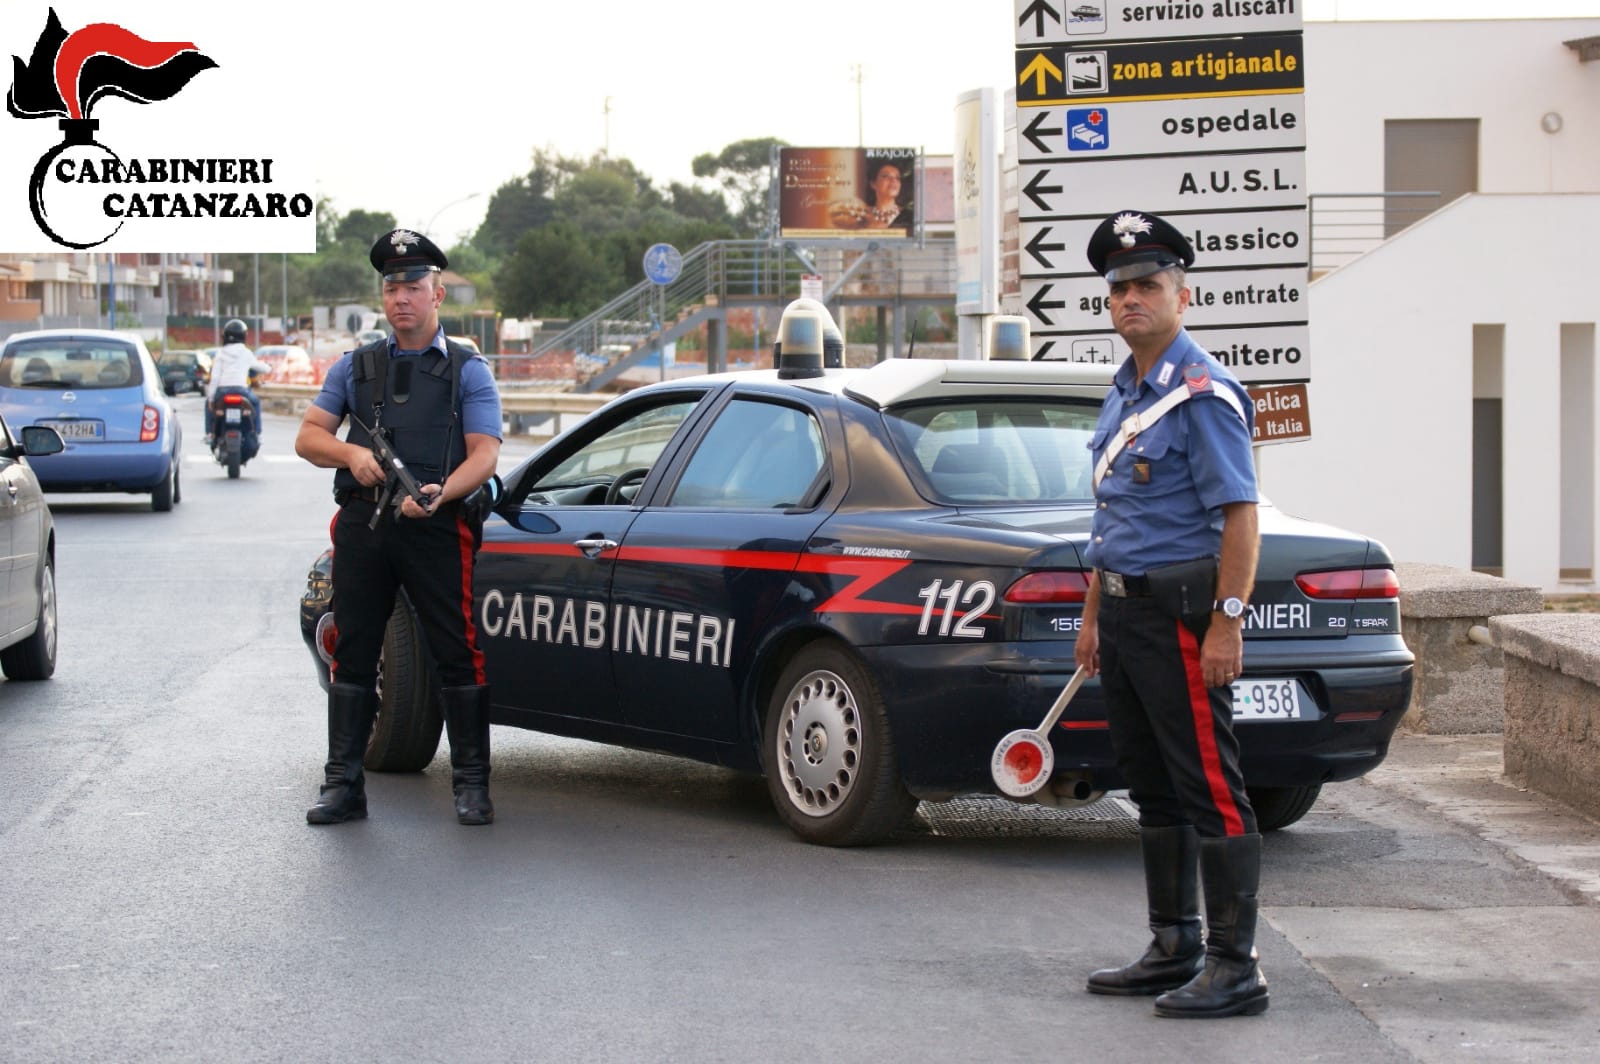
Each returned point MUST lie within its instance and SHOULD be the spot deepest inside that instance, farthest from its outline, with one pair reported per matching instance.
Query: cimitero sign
(115, 139)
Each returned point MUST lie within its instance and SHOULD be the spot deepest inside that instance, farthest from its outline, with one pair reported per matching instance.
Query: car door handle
(594, 547)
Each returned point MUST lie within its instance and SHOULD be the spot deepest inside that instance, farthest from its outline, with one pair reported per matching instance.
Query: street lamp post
(427, 230)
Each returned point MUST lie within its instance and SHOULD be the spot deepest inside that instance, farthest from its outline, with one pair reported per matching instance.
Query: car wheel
(829, 757)
(1278, 807)
(406, 735)
(35, 657)
(165, 495)
(177, 482)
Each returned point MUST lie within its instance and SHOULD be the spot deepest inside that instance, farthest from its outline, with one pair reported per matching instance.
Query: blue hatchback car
(102, 392)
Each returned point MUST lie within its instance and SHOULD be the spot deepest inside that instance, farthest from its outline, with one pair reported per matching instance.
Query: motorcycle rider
(234, 367)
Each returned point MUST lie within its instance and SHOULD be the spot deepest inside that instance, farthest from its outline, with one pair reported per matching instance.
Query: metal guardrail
(724, 273)
(1346, 225)
(525, 411)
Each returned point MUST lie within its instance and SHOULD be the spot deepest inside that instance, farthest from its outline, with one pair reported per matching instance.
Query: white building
(1454, 403)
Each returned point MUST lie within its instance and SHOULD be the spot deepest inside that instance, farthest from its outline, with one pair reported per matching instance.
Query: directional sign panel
(1255, 355)
(1077, 21)
(1245, 298)
(1278, 236)
(1161, 127)
(1196, 183)
(1160, 70)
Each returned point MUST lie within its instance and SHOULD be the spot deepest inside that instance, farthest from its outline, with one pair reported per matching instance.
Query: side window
(757, 455)
(618, 458)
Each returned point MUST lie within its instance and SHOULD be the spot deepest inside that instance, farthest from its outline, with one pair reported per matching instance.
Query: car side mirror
(40, 440)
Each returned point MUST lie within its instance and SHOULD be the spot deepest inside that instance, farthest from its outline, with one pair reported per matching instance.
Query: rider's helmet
(234, 332)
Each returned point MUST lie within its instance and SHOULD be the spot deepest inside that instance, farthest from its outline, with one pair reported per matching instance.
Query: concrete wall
(1506, 72)
(1552, 704)
(1391, 394)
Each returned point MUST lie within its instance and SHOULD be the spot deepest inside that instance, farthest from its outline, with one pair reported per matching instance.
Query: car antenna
(911, 350)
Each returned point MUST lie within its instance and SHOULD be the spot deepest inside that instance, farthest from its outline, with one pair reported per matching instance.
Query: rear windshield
(66, 362)
(998, 452)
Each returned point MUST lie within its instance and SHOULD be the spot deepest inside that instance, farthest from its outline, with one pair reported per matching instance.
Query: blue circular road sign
(662, 263)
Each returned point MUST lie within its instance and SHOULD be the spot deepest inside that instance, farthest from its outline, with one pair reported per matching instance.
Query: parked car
(184, 371)
(28, 608)
(857, 583)
(101, 391)
(370, 336)
(289, 364)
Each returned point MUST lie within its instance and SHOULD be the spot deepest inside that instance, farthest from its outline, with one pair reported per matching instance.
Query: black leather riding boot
(1232, 983)
(1171, 884)
(351, 711)
(466, 718)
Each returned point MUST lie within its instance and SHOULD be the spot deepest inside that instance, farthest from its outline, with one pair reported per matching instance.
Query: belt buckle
(1114, 584)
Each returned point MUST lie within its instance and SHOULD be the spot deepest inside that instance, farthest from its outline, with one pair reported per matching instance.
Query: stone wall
(1459, 680)
(1552, 704)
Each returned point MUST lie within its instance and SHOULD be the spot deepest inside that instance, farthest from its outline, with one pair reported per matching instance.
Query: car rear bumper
(948, 707)
(104, 467)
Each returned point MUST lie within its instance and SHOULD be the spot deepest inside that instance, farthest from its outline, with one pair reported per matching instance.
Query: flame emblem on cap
(1126, 226)
(402, 239)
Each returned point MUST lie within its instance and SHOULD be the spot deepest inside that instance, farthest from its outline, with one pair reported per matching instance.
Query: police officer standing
(436, 402)
(1174, 545)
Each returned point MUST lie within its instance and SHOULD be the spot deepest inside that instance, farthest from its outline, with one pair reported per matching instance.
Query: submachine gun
(397, 477)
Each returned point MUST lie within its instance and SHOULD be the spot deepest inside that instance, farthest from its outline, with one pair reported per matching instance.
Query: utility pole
(855, 69)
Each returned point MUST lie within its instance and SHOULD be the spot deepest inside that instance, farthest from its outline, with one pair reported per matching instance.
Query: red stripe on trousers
(464, 539)
(1205, 733)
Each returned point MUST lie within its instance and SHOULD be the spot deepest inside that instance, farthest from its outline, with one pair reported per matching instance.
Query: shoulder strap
(1138, 421)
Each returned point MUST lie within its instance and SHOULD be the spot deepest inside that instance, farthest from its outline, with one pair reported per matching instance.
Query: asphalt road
(162, 899)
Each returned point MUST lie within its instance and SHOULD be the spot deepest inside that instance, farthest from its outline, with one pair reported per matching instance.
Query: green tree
(744, 171)
(555, 271)
(364, 227)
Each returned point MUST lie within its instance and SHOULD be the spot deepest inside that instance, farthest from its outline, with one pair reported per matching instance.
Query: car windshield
(998, 451)
(179, 360)
(70, 362)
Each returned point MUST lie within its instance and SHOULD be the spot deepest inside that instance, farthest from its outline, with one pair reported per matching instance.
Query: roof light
(799, 349)
(1376, 583)
(1008, 338)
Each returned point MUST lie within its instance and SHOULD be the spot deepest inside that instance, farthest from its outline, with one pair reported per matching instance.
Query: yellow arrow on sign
(1037, 69)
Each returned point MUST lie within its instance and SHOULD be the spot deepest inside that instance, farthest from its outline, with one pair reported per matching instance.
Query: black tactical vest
(416, 401)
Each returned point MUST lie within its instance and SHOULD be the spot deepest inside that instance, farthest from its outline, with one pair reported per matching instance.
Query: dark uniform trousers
(1173, 737)
(432, 558)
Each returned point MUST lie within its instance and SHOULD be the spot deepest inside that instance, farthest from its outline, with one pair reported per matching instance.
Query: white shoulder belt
(1137, 422)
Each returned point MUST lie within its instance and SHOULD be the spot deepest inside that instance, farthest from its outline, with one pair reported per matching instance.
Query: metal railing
(719, 274)
(1347, 225)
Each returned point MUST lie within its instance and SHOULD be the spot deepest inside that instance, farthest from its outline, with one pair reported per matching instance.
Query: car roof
(82, 334)
(898, 381)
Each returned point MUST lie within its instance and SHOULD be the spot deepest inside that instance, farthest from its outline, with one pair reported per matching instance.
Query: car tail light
(327, 637)
(149, 425)
(1069, 585)
(1350, 584)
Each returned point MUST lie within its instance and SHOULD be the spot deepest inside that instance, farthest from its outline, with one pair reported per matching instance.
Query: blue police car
(856, 582)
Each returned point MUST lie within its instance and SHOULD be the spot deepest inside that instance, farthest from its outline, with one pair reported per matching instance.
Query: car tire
(406, 735)
(35, 657)
(1278, 807)
(829, 757)
(166, 493)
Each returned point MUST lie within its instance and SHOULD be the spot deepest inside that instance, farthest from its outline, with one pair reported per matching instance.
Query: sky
(424, 110)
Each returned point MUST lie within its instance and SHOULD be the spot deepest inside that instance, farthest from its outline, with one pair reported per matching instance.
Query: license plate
(78, 430)
(231, 415)
(1264, 698)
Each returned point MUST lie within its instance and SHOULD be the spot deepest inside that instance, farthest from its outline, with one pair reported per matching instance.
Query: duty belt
(344, 495)
(1120, 585)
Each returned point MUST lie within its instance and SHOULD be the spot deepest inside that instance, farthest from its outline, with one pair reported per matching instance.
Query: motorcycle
(234, 440)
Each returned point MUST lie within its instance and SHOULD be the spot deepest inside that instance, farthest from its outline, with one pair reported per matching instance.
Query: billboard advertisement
(847, 192)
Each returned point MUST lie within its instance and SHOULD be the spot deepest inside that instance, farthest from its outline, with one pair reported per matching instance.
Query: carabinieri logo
(81, 191)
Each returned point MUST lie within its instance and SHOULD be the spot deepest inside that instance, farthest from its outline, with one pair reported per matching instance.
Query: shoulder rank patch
(1197, 378)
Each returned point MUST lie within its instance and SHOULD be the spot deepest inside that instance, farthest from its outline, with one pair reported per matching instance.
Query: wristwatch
(1231, 607)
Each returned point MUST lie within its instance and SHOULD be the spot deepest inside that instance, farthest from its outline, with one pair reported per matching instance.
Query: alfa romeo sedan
(856, 583)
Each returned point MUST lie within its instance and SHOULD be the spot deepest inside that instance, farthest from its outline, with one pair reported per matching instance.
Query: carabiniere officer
(1174, 544)
(436, 402)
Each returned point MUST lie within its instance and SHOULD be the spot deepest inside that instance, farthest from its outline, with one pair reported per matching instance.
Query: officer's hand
(1222, 655)
(365, 467)
(409, 507)
(1087, 651)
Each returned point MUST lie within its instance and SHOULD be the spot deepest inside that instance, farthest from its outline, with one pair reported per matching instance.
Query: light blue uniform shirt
(480, 399)
(1161, 500)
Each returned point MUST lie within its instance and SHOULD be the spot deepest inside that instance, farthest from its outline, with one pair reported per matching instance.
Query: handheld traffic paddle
(1023, 760)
